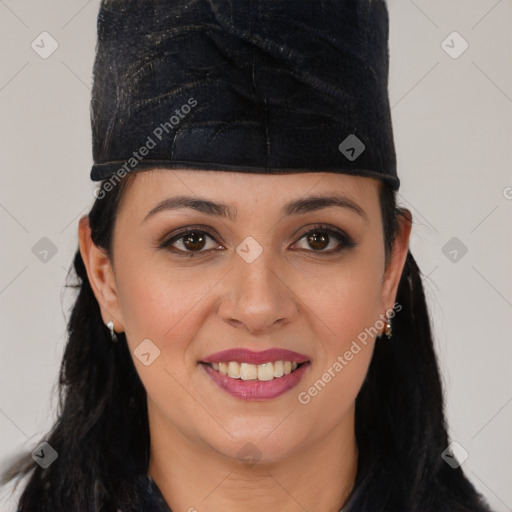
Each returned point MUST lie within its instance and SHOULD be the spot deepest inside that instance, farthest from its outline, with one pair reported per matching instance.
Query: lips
(247, 387)
(255, 389)
(242, 355)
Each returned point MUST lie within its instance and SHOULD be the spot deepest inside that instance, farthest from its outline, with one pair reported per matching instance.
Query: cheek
(162, 305)
(345, 299)
(346, 307)
(157, 301)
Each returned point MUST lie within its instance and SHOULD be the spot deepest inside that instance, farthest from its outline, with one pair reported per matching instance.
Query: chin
(257, 449)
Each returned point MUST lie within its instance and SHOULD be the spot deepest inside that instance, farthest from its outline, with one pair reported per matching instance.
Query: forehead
(242, 191)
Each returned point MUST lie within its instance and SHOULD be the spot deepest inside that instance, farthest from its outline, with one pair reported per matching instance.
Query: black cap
(259, 86)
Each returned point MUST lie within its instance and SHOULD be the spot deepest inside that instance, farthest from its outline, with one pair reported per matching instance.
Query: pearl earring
(110, 325)
(387, 329)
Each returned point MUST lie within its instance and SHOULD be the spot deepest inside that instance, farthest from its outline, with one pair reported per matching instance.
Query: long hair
(102, 434)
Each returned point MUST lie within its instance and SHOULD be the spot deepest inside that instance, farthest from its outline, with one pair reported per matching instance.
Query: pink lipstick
(256, 376)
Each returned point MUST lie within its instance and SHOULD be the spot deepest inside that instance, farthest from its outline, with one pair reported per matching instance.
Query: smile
(253, 382)
(261, 372)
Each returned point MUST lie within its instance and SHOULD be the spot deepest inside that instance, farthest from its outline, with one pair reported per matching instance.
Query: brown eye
(320, 238)
(194, 241)
(189, 243)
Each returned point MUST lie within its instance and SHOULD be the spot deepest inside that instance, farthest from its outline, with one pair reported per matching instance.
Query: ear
(101, 276)
(396, 263)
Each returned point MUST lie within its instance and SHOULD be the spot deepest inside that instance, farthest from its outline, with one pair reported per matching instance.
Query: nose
(257, 296)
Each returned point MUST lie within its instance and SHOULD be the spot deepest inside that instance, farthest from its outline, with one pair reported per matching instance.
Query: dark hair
(102, 435)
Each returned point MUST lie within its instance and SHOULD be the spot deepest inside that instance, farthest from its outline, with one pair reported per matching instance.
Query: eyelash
(345, 240)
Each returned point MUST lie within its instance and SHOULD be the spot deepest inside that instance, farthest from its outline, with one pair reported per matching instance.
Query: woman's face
(282, 269)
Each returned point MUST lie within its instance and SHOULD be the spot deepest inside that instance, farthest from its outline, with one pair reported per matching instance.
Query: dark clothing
(151, 499)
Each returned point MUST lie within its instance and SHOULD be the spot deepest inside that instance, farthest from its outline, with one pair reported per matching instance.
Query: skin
(292, 296)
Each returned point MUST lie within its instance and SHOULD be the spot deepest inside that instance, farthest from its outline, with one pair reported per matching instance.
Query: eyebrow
(296, 207)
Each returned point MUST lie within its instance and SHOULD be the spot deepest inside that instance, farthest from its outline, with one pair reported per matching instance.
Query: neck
(193, 477)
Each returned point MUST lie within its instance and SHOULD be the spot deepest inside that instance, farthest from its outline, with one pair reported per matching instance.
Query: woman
(243, 338)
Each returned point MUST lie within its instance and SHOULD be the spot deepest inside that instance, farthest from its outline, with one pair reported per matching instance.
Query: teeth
(278, 369)
(223, 368)
(234, 369)
(263, 372)
(248, 371)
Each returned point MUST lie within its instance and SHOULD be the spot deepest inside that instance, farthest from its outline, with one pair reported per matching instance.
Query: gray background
(452, 121)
